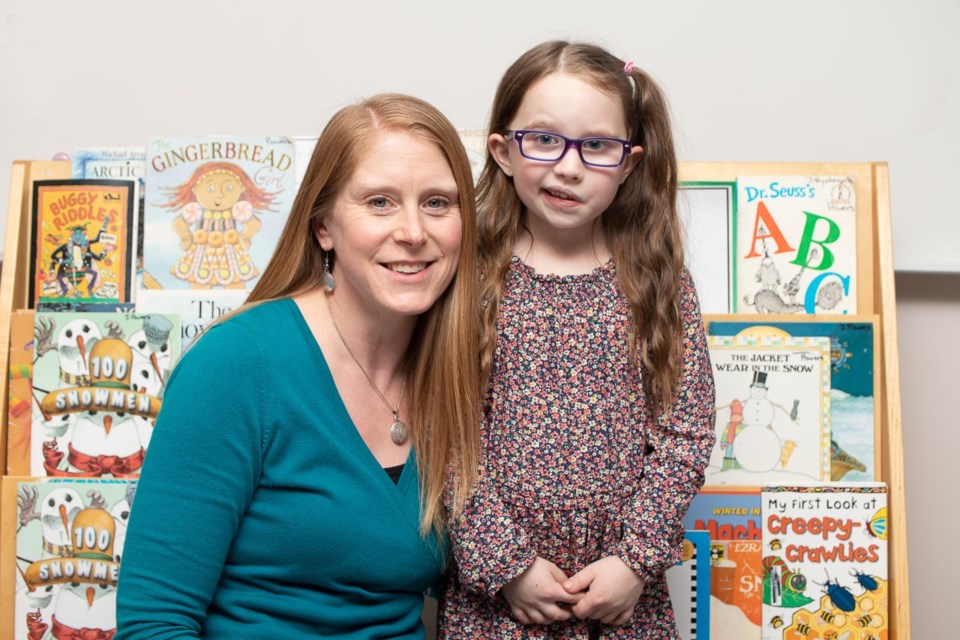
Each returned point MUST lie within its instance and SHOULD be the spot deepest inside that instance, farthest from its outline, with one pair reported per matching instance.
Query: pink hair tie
(628, 67)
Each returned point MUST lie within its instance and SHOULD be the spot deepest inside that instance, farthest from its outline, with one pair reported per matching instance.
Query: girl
(216, 226)
(599, 412)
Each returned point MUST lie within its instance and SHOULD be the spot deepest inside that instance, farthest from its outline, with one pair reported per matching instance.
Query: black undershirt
(394, 472)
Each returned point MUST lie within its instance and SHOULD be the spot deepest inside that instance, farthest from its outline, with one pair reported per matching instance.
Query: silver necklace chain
(398, 430)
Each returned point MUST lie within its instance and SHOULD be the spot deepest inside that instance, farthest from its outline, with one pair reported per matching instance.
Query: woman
(295, 480)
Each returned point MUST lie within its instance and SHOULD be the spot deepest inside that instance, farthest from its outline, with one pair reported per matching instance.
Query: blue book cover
(853, 353)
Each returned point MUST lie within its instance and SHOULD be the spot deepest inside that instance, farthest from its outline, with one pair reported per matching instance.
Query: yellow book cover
(83, 243)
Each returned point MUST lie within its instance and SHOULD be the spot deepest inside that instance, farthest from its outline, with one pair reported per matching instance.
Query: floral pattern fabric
(574, 467)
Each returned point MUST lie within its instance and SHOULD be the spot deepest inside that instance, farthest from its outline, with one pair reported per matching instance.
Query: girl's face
(218, 191)
(565, 196)
(395, 228)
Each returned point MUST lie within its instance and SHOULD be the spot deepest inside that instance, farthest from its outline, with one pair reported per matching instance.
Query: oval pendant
(398, 433)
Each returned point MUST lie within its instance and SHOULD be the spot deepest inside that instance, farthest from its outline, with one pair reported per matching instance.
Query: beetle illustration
(840, 596)
(868, 582)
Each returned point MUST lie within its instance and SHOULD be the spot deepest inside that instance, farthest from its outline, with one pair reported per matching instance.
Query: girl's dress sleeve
(489, 548)
(679, 446)
(199, 478)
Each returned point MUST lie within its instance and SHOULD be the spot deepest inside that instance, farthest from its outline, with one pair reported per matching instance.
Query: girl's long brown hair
(642, 227)
(443, 354)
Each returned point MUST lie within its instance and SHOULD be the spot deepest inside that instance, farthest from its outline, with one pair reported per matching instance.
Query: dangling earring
(327, 277)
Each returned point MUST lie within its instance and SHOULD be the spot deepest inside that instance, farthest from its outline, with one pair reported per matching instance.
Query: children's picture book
(68, 538)
(83, 242)
(109, 163)
(854, 352)
(731, 517)
(19, 392)
(708, 212)
(117, 163)
(796, 246)
(689, 585)
(825, 562)
(214, 209)
(773, 410)
(197, 309)
(98, 381)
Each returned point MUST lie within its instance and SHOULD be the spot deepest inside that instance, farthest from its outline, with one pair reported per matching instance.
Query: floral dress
(574, 468)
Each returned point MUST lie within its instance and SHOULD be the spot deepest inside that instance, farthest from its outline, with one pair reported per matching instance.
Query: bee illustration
(864, 620)
(803, 627)
(775, 544)
(776, 622)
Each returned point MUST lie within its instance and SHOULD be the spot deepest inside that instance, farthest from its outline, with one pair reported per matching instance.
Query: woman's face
(394, 228)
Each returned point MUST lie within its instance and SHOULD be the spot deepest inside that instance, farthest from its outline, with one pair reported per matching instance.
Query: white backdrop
(750, 80)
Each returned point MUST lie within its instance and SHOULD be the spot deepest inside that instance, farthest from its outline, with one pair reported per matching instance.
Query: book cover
(83, 241)
(67, 547)
(796, 244)
(116, 163)
(214, 209)
(19, 392)
(708, 212)
(731, 517)
(773, 410)
(197, 309)
(825, 562)
(109, 163)
(98, 381)
(854, 352)
(689, 585)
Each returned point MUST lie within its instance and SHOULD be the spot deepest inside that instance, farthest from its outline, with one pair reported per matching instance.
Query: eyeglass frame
(517, 134)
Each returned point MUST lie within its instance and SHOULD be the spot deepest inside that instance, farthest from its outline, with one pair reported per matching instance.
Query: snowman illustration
(757, 447)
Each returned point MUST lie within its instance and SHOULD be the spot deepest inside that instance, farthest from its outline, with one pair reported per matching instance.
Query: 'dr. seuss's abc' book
(796, 244)
(98, 382)
(825, 572)
(83, 242)
(214, 209)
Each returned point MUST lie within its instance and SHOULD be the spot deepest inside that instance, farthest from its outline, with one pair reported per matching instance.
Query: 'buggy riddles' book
(83, 248)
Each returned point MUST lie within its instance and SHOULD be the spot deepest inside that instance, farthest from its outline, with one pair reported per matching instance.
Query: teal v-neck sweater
(260, 512)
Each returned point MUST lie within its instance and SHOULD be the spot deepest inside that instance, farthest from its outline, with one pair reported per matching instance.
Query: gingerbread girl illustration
(216, 225)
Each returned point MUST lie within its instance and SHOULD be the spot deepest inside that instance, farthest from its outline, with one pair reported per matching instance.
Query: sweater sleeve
(198, 479)
(680, 443)
(489, 548)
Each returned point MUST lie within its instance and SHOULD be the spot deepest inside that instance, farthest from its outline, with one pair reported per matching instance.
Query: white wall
(750, 80)
(852, 81)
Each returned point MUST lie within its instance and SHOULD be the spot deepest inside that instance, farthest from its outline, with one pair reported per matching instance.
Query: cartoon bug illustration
(868, 582)
(840, 596)
(877, 525)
